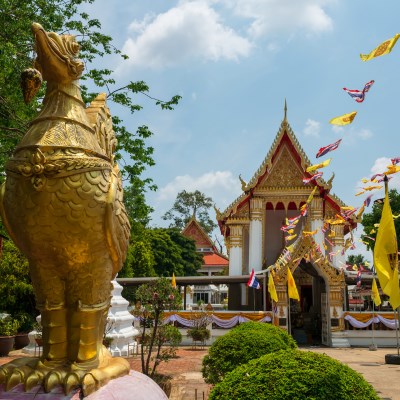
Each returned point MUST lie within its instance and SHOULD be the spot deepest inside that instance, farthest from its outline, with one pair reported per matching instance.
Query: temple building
(251, 226)
(214, 263)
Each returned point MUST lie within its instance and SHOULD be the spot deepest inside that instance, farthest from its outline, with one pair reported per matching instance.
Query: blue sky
(234, 63)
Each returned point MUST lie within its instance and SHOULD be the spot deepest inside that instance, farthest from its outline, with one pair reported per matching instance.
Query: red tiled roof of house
(214, 259)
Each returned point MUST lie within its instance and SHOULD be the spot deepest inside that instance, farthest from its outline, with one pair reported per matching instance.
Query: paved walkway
(187, 380)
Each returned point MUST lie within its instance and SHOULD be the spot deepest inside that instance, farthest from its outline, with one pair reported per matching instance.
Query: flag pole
(254, 300)
(397, 329)
(289, 318)
(373, 346)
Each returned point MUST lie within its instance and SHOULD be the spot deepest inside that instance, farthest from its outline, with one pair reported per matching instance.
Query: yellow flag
(385, 254)
(289, 238)
(384, 48)
(392, 169)
(173, 281)
(292, 289)
(375, 293)
(271, 288)
(360, 211)
(320, 165)
(343, 119)
(310, 197)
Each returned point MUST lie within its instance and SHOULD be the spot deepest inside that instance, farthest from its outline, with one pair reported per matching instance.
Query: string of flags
(346, 213)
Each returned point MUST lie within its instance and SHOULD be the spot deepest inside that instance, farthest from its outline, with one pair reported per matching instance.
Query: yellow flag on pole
(292, 289)
(173, 281)
(343, 119)
(384, 48)
(318, 166)
(271, 288)
(385, 254)
(375, 293)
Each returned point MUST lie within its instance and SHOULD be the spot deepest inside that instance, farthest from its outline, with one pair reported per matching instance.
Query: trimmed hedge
(242, 344)
(293, 375)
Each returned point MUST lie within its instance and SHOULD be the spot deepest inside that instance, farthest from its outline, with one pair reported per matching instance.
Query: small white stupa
(120, 324)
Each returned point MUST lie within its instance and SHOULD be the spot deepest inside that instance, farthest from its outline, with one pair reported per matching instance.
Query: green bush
(269, 329)
(293, 375)
(8, 326)
(242, 344)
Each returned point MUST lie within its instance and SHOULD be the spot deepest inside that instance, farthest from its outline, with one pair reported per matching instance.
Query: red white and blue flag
(367, 201)
(324, 150)
(358, 278)
(312, 177)
(359, 95)
(253, 282)
(395, 160)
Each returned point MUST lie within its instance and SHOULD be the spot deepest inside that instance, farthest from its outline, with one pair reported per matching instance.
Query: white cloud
(351, 135)
(312, 128)
(190, 31)
(364, 134)
(221, 186)
(283, 16)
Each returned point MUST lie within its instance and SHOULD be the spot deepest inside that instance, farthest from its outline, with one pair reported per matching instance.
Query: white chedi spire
(119, 322)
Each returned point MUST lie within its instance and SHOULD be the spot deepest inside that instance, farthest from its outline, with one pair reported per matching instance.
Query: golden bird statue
(62, 206)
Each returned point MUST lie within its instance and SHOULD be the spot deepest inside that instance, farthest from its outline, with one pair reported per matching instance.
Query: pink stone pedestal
(133, 386)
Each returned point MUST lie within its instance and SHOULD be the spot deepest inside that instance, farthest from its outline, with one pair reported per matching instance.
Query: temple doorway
(307, 316)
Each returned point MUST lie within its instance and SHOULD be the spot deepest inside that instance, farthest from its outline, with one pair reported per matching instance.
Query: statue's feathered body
(62, 206)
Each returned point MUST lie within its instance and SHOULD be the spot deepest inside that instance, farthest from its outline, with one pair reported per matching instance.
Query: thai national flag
(313, 177)
(253, 282)
(359, 95)
(358, 278)
(324, 150)
(395, 160)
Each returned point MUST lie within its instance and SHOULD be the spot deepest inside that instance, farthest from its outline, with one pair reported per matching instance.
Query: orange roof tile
(214, 259)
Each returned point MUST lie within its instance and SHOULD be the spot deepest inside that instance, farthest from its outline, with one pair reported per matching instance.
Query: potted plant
(8, 329)
(26, 323)
(199, 332)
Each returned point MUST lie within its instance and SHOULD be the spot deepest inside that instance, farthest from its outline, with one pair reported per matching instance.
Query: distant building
(214, 263)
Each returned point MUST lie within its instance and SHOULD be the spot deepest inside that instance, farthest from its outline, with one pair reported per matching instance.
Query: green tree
(370, 219)
(357, 259)
(192, 261)
(16, 292)
(154, 298)
(139, 261)
(191, 204)
(173, 253)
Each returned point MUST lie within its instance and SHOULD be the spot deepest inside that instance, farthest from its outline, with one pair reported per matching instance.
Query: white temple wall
(235, 261)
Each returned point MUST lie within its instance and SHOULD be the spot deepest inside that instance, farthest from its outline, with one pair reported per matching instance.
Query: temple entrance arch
(309, 318)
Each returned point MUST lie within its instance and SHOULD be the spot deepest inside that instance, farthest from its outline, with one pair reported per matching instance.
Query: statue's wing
(4, 216)
(117, 225)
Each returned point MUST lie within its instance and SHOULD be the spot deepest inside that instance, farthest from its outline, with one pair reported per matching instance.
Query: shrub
(269, 329)
(242, 344)
(8, 326)
(293, 374)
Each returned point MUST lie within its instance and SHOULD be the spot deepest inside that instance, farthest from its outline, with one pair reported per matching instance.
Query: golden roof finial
(285, 111)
